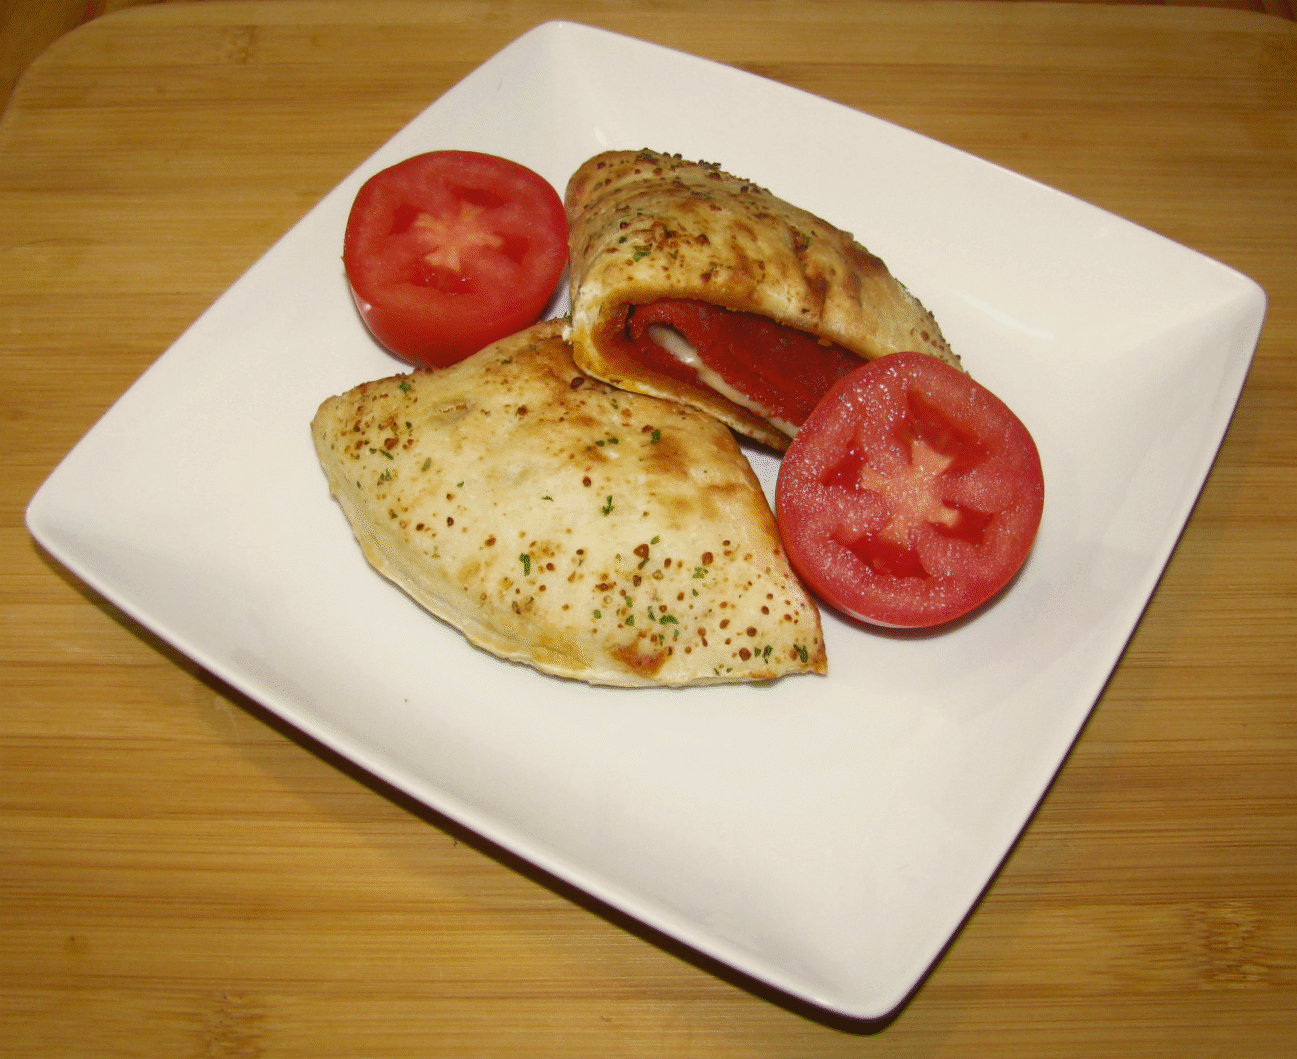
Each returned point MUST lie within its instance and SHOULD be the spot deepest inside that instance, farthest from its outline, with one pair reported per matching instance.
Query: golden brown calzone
(654, 236)
(591, 533)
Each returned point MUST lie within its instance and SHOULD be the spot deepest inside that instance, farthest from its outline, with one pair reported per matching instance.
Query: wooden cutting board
(180, 874)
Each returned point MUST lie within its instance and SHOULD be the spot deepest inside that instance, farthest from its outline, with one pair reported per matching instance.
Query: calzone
(695, 285)
(592, 533)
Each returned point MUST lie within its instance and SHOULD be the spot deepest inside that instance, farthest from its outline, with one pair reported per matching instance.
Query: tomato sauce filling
(781, 370)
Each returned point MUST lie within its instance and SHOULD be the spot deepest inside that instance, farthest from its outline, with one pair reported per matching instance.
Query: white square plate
(826, 835)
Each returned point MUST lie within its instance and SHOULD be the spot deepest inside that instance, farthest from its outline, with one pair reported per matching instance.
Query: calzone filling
(777, 372)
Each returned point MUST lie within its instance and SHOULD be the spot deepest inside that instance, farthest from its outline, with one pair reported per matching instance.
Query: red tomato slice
(449, 251)
(911, 495)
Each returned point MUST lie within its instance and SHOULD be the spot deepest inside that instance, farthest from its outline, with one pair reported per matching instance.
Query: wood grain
(28, 27)
(183, 875)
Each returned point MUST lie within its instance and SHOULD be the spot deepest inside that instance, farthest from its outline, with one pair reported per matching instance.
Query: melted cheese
(679, 347)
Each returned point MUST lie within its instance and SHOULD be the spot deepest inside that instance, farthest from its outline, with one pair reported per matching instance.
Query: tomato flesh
(780, 369)
(911, 495)
(449, 251)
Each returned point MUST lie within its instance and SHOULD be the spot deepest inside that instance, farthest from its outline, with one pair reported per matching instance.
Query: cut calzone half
(692, 284)
(591, 533)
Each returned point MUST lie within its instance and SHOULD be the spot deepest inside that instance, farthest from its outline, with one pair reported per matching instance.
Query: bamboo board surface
(181, 874)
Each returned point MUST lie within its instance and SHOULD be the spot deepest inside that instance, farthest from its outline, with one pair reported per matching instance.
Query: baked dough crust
(591, 533)
(645, 226)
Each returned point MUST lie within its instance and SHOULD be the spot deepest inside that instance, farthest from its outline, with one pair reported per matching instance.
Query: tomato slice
(911, 495)
(449, 251)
